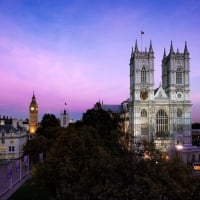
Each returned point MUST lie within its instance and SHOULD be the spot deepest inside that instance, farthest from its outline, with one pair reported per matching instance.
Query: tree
(49, 120)
(85, 161)
(46, 134)
(105, 125)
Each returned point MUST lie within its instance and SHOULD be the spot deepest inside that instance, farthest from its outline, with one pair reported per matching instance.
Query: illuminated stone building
(33, 116)
(162, 115)
(13, 136)
(64, 119)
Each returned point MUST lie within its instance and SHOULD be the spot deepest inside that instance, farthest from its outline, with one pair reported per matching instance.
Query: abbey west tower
(163, 114)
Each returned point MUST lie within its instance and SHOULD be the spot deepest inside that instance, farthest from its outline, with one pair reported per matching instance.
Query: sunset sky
(78, 51)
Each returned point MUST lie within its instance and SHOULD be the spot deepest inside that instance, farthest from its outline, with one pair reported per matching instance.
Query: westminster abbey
(162, 114)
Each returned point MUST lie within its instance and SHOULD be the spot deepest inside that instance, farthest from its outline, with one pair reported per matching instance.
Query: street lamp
(179, 147)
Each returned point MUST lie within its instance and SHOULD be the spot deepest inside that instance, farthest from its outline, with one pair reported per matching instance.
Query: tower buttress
(141, 89)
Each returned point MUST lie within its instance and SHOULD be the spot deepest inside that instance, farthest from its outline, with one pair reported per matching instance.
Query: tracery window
(143, 113)
(179, 76)
(162, 127)
(179, 113)
(143, 75)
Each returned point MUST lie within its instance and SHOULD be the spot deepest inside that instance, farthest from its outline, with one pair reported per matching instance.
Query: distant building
(122, 110)
(13, 136)
(64, 119)
(33, 116)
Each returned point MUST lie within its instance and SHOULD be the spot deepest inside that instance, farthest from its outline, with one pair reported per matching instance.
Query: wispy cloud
(79, 52)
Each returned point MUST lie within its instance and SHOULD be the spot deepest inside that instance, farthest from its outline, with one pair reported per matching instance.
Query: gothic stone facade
(163, 114)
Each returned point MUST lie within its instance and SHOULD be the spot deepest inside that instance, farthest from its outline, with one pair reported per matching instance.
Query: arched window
(143, 113)
(162, 129)
(179, 113)
(179, 76)
(143, 75)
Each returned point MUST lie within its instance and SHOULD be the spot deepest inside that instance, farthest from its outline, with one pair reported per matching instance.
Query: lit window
(11, 138)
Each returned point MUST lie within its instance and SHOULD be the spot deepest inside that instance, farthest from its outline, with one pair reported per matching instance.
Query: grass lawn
(30, 191)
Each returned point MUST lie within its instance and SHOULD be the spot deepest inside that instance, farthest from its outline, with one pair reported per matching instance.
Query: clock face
(179, 95)
(143, 94)
(32, 108)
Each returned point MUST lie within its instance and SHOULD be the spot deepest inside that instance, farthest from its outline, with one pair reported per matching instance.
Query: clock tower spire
(33, 115)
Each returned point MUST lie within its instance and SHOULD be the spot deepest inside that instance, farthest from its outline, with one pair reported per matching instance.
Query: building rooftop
(112, 108)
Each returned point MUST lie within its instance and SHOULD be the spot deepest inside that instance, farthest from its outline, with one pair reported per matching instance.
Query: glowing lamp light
(32, 130)
(179, 146)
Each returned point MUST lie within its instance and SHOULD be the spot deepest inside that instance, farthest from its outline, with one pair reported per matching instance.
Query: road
(12, 175)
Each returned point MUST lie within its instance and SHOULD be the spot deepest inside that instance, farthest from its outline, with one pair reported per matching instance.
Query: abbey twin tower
(162, 115)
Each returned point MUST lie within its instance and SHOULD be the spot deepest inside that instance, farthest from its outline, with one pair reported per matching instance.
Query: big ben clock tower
(33, 115)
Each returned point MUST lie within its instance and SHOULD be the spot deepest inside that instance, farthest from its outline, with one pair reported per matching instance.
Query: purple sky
(78, 51)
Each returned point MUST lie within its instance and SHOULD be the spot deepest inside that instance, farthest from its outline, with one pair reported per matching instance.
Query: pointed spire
(33, 97)
(136, 46)
(164, 54)
(186, 49)
(150, 45)
(150, 48)
(132, 52)
(171, 48)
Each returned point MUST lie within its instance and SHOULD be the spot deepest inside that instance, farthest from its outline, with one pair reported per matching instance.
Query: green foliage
(101, 120)
(30, 191)
(85, 161)
(35, 146)
(49, 120)
(196, 126)
(105, 124)
(45, 136)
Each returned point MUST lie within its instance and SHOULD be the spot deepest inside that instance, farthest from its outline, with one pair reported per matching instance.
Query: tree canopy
(86, 161)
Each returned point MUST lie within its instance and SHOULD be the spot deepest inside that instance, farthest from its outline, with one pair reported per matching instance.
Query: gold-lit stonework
(33, 116)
